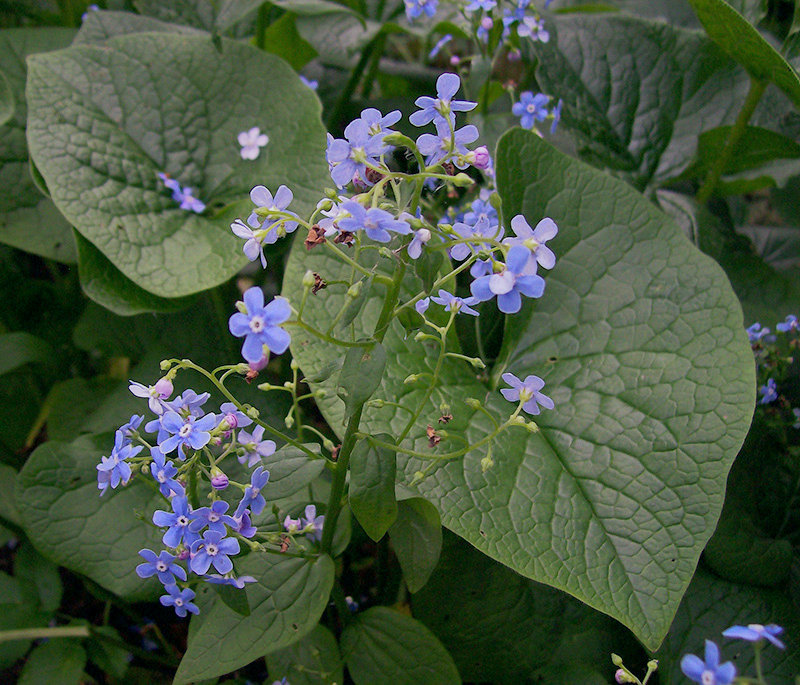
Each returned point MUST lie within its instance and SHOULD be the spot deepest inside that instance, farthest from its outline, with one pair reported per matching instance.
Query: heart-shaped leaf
(101, 142)
(314, 660)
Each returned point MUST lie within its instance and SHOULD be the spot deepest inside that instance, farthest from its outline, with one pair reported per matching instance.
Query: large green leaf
(417, 540)
(101, 25)
(503, 628)
(371, 493)
(20, 348)
(56, 661)
(641, 342)
(638, 93)
(148, 108)
(68, 521)
(210, 15)
(710, 606)
(382, 646)
(778, 246)
(742, 42)
(314, 660)
(286, 601)
(28, 220)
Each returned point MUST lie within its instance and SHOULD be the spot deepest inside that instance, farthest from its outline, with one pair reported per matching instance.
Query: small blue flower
(244, 525)
(251, 142)
(233, 417)
(252, 498)
(163, 473)
(531, 108)
(790, 324)
(275, 226)
(177, 523)
(312, 524)
(534, 240)
(127, 430)
(377, 123)
(482, 228)
(422, 305)
(214, 517)
(480, 209)
(556, 113)
(155, 394)
(260, 325)
(181, 600)
(214, 549)
(769, 392)
(292, 525)
(444, 40)
(421, 238)
(309, 83)
(442, 107)
(511, 283)
(710, 672)
(485, 5)
(188, 431)
(533, 28)
(114, 469)
(453, 303)
(349, 157)
(375, 222)
(755, 333)
(754, 632)
(183, 195)
(254, 237)
(238, 583)
(255, 447)
(446, 145)
(162, 565)
(415, 8)
(486, 24)
(527, 392)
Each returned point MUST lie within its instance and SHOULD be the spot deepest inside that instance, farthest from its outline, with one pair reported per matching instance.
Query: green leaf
(7, 104)
(710, 606)
(286, 601)
(234, 598)
(18, 349)
(113, 195)
(28, 220)
(427, 268)
(371, 493)
(384, 646)
(778, 246)
(757, 147)
(109, 657)
(55, 661)
(39, 579)
(282, 39)
(641, 121)
(66, 518)
(742, 42)
(640, 340)
(313, 8)
(417, 540)
(360, 375)
(290, 470)
(101, 25)
(337, 37)
(204, 14)
(355, 304)
(314, 660)
(8, 479)
(16, 613)
(501, 628)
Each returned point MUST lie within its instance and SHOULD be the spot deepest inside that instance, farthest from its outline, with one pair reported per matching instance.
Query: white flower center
(213, 517)
(756, 626)
(178, 602)
(183, 521)
(256, 491)
(212, 550)
(708, 678)
(531, 108)
(257, 324)
(161, 477)
(185, 430)
(161, 566)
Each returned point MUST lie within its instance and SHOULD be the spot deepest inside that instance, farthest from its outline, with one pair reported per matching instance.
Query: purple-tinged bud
(487, 23)
(260, 364)
(163, 387)
(514, 56)
(455, 60)
(482, 158)
(219, 481)
(184, 554)
(231, 420)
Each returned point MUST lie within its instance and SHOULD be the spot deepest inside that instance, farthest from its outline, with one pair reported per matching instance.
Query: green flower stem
(41, 633)
(380, 278)
(757, 662)
(737, 131)
(261, 26)
(188, 364)
(325, 337)
(436, 371)
(351, 432)
(437, 284)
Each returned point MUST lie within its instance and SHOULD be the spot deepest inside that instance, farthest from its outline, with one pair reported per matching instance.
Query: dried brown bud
(316, 236)
(433, 438)
(445, 418)
(285, 542)
(449, 168)
(344, 238)
(251, 375)
(335, 453)
(373, 176)
(319, 284)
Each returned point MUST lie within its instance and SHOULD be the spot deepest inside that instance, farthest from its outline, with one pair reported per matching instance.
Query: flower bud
(252, 412)
(472, 403)
(377, 403)
(289, 420)
(616, 659)
(219, 481)
(328, 445)
(260, 364)
(385, 252)
(308, 279)
(487, 23)
(481, 159)
(532, 426)
(165, 365)
(413, 378)
(354, 290)
(486, 463)
(462, 180)
(455, 60)
(241, 307)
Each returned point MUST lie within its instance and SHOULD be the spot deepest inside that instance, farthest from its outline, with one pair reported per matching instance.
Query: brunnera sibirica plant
(454, 387)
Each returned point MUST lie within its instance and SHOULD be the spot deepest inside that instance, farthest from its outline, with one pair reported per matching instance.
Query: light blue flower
(442, 107)
(251, 142)
(754, 632)
(531, 108)
(213, 549)
(556, 113)
(769, 392)
(180, 600)
(155, 394)
(482, 228)
(446, 145)
(252, 498)
(260, 325)
(255, 447)
(214, 517)
(452, 303)
(273, 225)
(533, 28)
(511, 283)
(187, 431)
(710, 672)
(183, 195)
(349, 157)
(790, 324)
(312, 524)
(163, 565)
(177, 523)
(416, 8)
(377, 223)
(309, 83)
(534, 239)
(164, 473)
(755, 333)
(444, 40)
(527, 392)
(421, 238)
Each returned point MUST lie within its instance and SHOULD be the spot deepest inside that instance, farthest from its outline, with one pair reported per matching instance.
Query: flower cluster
(534, 108)
(183, 195)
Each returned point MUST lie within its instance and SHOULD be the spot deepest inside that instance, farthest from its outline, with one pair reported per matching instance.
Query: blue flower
(415, 8)
(252, 498)
(421, 237)
(308, 82)
(376, 222)
(422, 305)
(163, 473)
(155, 394)
(511, 283)
(238, 583)
(486, 24)
(188, 431)
(441, 108)
(377, 123)
(253, 247)
(312, 524)
(127, 430)
(114, 469)
(447, 145)
(755, 333)
(754, 632)
(177, 523)
(162, 565)
(710, 672)
(482, 228)
(244, 526)
(292, 525)
(453, 303)
(234, 418)
(531, 108)
(790, 324)
(486, 5)
(769, 392)
(534, 240)
(214, 517)
(556, 116)
(255, 447)
(527, 392)
(260, 325)
(351, 156)
(181, 600)
(183, 195)
(251, 142)
(533, 28)
(214, 549)
(444, 40)
(268, 205)
(479, 209)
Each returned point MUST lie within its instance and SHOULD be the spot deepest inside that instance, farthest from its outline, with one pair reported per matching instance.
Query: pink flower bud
(219, 481)
(482, 158)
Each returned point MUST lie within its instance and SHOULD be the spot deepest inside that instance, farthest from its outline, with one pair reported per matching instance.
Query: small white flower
(252, 141)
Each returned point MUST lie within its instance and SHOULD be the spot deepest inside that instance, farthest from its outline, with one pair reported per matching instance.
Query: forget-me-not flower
(710, 672)
(377, 223)
(213, 549)
(531, 108)
(155, 394)
(509, 284)
(180, 600)
(188, 431)
(790, 324)
(214, 517)
(162, 565)
(252, 141)
(177, 522)
(534, 240)
(164, 473)
(312, 524)
(527, 392)
(416, 8)
(183, 195)
(482, 228)
(255, 447)
(769, 392)
(754, 632)
(452, 303)
(442, 107)
(260, 325)
(447, 145)
(268, 205)
(252, 498)
(350, 156)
